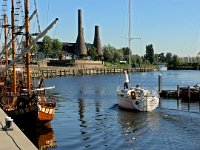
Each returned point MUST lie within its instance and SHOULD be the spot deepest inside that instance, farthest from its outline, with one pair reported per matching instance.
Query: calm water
(87, 115)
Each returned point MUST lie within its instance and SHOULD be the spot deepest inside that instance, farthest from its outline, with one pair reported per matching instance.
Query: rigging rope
(3, 11)
(19, 14)
(38, 23)
(48, 11)
(20, 10)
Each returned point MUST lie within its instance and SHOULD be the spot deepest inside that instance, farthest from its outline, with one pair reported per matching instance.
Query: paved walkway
(14, 139)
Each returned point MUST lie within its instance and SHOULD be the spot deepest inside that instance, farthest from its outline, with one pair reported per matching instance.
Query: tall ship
(20, 97)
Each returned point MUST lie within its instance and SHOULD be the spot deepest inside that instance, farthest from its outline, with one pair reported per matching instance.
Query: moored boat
(19, 98)
(33, 106)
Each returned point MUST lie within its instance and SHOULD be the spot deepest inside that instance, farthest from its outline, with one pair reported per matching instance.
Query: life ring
(133, 95)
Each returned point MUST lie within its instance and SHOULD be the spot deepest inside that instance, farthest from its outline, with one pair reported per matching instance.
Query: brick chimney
(97, 41)
(80, 47)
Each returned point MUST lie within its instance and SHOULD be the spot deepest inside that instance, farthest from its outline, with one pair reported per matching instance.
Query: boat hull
(45, 114)
(125, 103)
(26, 115)
(37, 114)
(138, 103)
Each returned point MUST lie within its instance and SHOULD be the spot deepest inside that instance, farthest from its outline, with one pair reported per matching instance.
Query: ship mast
(13, 48)
(6, 40)
(27, 34)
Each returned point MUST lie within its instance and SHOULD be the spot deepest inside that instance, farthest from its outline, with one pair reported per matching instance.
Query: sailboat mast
(13, 48)
(27, 25)
(129, 34)
(6, 40)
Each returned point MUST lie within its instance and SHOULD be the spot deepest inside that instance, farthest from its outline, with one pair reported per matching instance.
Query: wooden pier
(185, 93)
(168, 94)
(50, 72)
(188, 93)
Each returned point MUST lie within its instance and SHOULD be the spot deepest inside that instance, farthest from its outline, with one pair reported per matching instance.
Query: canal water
(88, 117)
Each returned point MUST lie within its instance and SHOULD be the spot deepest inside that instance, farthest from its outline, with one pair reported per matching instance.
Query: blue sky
(170, 25)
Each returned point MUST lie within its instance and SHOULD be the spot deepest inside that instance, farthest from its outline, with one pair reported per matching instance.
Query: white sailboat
(136, 98)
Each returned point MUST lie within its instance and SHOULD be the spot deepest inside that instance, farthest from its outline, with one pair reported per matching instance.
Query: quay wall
(13, 139)
(66, 71)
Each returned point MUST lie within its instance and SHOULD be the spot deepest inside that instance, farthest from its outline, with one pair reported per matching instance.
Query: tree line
(53, 48)
(113, 55)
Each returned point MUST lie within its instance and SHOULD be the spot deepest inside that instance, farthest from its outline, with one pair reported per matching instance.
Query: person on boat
(126, 79)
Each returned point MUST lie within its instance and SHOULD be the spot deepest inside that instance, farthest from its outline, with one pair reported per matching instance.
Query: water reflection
(178, 104)
(88, 117)
(190, 106)
(42, 136)
(84, 122)
(81, 112)
(46, 138)
(134, 124)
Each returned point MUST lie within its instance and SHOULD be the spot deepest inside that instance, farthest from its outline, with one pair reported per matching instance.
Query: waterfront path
(13, 139)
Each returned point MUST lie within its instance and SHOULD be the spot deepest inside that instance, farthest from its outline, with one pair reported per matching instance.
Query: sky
(170, 25)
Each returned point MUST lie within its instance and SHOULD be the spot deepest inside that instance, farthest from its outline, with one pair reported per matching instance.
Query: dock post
(65, 74)
(159, 86)
(188, 92)
(178, 91)
(159, 83)
(189, 97)
(178, 95)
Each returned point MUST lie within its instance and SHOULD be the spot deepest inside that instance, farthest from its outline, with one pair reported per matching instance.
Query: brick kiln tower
(97, 41)
(80, 47)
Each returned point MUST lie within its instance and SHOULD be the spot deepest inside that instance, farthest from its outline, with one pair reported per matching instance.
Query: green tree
(169, 59)
(92, 52)
(126, 50)
(118, 56)
(176, 61)
(156, 58)
(161, 58)
(56, 47)
(108, 53)
(149, 53)
(46, 45)
(35, 49)
(138, 60)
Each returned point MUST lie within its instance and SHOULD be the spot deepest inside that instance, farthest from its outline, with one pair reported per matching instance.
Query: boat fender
(133, 95)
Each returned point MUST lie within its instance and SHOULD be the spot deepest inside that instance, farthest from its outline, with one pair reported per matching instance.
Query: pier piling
(160, 83)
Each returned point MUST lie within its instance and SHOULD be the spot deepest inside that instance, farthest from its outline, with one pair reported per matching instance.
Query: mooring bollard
(8, 123)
